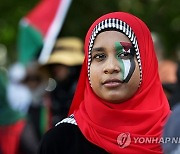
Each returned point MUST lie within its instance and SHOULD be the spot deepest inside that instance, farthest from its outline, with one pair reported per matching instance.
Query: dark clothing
(62, 95)
(67, 138)
(34, 115)
(174, 99)
(28, 141)
(171, 130)
(61, 99)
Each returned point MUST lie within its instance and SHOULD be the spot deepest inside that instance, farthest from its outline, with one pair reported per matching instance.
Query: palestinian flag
(39, 30)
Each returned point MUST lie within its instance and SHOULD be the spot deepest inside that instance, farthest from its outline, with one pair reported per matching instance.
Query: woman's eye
(99, 56)
(124, 55)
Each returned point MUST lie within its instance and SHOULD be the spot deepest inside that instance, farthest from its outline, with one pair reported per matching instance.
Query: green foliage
(11, 11)
(161, 16)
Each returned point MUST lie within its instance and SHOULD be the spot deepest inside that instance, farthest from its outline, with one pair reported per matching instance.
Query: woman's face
(60, 72)
(114, 71)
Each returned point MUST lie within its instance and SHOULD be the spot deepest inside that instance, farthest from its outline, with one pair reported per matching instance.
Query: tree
(161, 16)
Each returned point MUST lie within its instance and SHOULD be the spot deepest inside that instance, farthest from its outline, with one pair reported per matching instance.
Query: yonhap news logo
(125, 139)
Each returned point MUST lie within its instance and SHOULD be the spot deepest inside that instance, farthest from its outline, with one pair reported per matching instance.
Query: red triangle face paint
(126, 45)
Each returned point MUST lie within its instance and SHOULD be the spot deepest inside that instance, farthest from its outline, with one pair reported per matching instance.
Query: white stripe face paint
(127, 66)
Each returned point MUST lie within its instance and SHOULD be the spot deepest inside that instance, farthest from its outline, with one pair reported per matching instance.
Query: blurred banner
(40, 28)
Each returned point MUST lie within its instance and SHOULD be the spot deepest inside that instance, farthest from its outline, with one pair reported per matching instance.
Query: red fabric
(144, 115)
(10, 137)
(43, 15)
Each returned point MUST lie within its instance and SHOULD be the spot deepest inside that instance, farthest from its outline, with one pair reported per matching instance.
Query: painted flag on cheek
(39, 29)
(125, 57)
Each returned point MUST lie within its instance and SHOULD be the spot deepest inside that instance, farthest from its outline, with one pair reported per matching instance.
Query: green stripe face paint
(119, 50)
(125, 56)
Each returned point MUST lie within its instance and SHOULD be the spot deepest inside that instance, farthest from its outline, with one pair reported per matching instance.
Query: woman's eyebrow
(98, 49)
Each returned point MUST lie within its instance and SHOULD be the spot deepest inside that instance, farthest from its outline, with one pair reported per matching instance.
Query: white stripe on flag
(54, 30)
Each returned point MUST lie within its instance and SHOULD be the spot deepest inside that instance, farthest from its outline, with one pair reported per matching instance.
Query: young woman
(119, 98)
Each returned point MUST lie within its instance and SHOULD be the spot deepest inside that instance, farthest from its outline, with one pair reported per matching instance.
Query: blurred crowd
(33, 98)
(169, 69)
(169, 73)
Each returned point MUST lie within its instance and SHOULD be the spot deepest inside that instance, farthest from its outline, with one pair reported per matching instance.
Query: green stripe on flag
(30, 42)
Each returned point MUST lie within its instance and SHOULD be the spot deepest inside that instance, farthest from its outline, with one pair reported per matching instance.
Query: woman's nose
(111, 66)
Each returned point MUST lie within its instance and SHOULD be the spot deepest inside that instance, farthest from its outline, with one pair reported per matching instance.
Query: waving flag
(39, 29)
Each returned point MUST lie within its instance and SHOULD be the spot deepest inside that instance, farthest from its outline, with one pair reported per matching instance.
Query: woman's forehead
(112, 36)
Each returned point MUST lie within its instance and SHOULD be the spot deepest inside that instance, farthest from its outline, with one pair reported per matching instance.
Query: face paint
(125, 55)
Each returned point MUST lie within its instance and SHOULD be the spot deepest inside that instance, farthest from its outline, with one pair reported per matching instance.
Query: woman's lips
(112, 83)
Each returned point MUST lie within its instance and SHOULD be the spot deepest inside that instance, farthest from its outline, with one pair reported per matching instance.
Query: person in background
(35, 80)
(167, 69)
(19, 99)
(52, 85)
(171, 132)
(119, 95)
(158, 46)
(168, 76)
(15, 134)
(174, 98)
(63, 68)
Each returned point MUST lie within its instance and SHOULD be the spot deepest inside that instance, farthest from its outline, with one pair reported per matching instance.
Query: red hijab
(144, 115)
